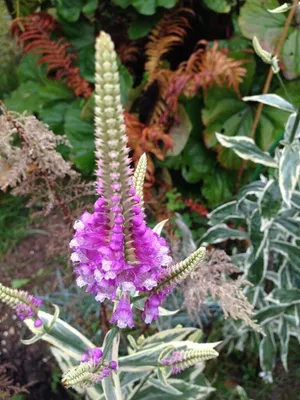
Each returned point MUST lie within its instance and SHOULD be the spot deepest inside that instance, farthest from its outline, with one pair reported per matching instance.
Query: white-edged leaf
(165, 388)
(159, 227)
(267, 352)
(289, 170)
(281, 9)
(246, 148)
(222, 213)
(285, 297)
(267, 314)
(272, 100)
(221, 232)
(111, 385)
(289, 128)
(62, 335)
(288, 250)
(284, 336)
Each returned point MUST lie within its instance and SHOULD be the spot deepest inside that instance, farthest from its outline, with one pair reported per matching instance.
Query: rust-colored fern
(204, 68)
(164, 37)
(34, 33)
(146, 139)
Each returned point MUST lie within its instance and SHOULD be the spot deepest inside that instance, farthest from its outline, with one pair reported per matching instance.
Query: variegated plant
(118, 258)
(266, 214)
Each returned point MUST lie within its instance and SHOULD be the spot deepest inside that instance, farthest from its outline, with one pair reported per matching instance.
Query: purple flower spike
(92, 355)
(123, 314)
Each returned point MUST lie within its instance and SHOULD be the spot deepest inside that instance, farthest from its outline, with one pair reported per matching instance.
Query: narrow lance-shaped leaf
(222, 232)
(289, 169)
(272, 100)
(246, 148)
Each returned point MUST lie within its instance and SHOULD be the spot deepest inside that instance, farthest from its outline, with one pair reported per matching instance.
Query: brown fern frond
(34, 33)
(146, 139)
(129, 51)
(165, 36)
(204, 68)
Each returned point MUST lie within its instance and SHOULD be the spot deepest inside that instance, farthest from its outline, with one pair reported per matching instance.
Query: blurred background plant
(184, 66)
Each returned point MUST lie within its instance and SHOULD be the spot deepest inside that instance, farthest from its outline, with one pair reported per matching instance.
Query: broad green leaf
(69, 9)
(54, 116)
(226, 113)
(256, 20)
(81, 136)
(267, 314)
(246, 148)
(87, 62)
(143, 25)
(30, 70)
(223, 213)
(288, 250)
(221, 232)
(90, 7)
(219, 189)
(180, 132)
(196, 161)
(284, 297)
(126, 83)
(289, 170)
(272, 100)
(219, 6)
(146, 7)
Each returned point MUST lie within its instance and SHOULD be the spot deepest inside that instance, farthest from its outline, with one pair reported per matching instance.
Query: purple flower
(92, 355)
(28, 307)
(122, 315)
(175, 362)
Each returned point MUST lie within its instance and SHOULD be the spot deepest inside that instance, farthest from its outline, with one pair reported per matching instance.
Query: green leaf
(246, 148)
(290, 126)
(284, 297)
(54, 116)
(256, 20)
(221, 232)
(190, 392)
(219, 6)
(291, 226)
(267, 352)
(143, 25)
(90, 7)
(289, 170)
(69, 9)
(288, 250)
(222, 213)
(270, 201)
(62, 335)
(196, 161)
(219, 189)
(272, 100)
(224, 112)
(81, 136)
(284, 336)
(29, 70)
(164, 388)
(87, 62)
(267, 314)
(18, 283)
(111, 385)
(126, 83)
(180, 132)
(145, 7)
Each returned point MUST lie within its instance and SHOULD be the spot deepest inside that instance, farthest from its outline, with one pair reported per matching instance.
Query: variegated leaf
(246, 148)
(222, 232)
(289, 128)
(289, 169)
(222, 213)
(288, 250)
(272, 100)
(284, 297)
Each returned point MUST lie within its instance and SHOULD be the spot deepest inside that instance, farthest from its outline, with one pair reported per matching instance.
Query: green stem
(284, 87)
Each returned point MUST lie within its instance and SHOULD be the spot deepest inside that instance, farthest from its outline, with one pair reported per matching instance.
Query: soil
(31, 368)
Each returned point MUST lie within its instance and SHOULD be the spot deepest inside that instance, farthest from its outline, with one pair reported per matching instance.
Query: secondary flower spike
(112, 247)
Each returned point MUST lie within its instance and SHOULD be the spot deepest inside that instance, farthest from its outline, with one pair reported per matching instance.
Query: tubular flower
(112, 247)
(25, 305)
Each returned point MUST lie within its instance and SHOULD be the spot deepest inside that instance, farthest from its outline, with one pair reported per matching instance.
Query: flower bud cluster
(24, 304)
